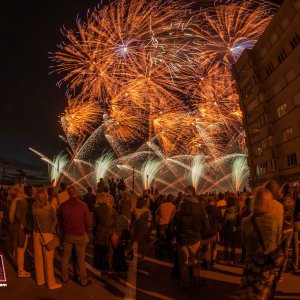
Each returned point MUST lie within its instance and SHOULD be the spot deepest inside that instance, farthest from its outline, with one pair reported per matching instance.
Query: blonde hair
(16, 191)
(41, 198)
(263, 200)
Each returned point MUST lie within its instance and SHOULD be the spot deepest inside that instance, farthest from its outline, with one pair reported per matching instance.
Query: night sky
(30, 100)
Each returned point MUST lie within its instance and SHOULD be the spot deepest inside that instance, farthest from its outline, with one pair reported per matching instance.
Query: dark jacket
(297, 210)
(90, 200)
(288, 212)
(191, 222)
(215, 219)
(104, 224)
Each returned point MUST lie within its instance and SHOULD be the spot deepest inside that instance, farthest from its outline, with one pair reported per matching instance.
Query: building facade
(268, 82)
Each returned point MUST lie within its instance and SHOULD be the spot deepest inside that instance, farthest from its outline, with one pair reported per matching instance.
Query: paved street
(144, 281)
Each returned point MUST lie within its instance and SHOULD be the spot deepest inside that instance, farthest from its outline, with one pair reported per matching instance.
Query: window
(256, 125)
(292, 160)
(259, 147)
(287, 134)
(270, 69)
(285, 22)
(282, 110)
(290, 75)
(295, 41)
(274, 38)
(273, 164)
(261, 169)
(270, 141)
(282, 56)
(297, 99)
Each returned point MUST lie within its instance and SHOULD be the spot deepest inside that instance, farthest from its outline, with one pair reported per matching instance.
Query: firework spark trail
(49, 161)
(240, 172)
(149, 171)
(59, 163)
(103, 164)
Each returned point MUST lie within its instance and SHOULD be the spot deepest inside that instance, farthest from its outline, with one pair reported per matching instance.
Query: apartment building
(268, 81)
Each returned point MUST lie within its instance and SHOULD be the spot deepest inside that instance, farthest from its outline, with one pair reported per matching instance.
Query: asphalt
(146, 280)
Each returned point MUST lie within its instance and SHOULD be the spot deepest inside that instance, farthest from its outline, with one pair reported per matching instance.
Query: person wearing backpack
(214, 214)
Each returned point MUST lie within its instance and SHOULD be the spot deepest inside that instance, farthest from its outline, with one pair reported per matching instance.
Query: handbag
(275, 257)
(53, 244)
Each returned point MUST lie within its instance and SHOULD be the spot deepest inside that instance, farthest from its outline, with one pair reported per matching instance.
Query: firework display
(152, 79)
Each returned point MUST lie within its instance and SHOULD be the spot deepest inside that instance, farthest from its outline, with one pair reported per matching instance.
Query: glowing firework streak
(148, 172)
(197, 169)
(240, 172)
(57, 167)
(103, 164)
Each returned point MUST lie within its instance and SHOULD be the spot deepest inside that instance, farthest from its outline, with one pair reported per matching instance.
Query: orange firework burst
(224, 31)
(80, 117)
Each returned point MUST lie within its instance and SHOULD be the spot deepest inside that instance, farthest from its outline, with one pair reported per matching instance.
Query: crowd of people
(189, 229)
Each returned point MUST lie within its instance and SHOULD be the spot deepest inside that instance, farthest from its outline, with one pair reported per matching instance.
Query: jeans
(79, 243)
(295, 245)
(189, 256)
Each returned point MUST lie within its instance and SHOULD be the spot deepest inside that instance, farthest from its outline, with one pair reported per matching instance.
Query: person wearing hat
(263, 224)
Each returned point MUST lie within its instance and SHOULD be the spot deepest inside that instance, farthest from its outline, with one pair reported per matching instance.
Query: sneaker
(88, 282)
(23, 274)
(55, 286)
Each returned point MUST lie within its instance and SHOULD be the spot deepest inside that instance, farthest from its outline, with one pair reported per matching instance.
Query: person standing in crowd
(191, 222)
(76, 224)
(100, 185)
(52, 194)
(245, 212)
(164, 217)
(90, 199)
(230, 222)
(18, 221)
(121, 186)
(210, 247)
(104, 227)
(113, 188)
(125, 204)
(295, 240)
(288, 220)
(44, 222)
(274, 188)
(222, 204)
(63, 194)
(178, 199)
(142, 218)
(104, 197)
(261, 234)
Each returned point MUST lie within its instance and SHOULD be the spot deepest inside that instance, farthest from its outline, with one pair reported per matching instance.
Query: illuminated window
(292, 160)
(287, 134)
(282, 110)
